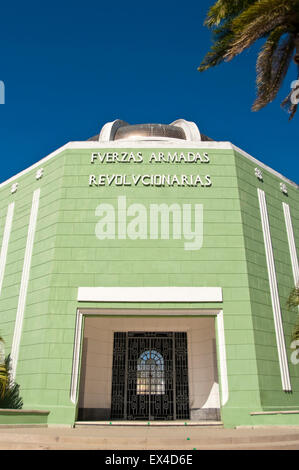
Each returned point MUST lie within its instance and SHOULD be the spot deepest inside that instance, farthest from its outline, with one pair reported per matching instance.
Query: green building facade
(144, 274)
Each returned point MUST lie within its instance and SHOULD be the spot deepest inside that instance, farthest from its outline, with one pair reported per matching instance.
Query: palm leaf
(10, 398)
(293, 304)
(264, 67)
(218, 50)
(272, 66)
(293, 299)
(3, 370)
(224, 10)
(295, 332)
(281, 61)
(257, 21)
(3, 379)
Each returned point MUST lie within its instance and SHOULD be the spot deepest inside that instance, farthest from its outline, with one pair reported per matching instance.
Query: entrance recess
(150, 376)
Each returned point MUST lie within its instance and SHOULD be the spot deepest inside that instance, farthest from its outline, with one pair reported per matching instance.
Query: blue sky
(70, 67)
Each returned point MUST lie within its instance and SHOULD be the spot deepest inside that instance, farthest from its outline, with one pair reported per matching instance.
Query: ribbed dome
(122, 130)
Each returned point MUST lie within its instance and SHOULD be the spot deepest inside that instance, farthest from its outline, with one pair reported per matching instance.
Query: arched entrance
(183, 348)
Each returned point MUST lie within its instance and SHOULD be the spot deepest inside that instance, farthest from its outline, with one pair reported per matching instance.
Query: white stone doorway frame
(153, 294)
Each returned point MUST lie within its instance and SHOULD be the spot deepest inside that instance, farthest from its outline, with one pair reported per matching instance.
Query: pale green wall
(35, 361)
(67, 255)
(272, 395)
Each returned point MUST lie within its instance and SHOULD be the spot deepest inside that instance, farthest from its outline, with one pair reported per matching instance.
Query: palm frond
(10, 398)
(295, 332)
(257, 21)
(293, 299)
(264, 67)
(224, 10)
(281, 61)
(272, 66)
(264, 10)
(218, 50)
(293, 304)
(3, 379)
(3, 370)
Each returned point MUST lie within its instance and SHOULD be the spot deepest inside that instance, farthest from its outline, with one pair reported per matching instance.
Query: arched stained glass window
(150, 373)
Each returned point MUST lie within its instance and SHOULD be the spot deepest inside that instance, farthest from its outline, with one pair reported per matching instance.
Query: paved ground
(149, 438)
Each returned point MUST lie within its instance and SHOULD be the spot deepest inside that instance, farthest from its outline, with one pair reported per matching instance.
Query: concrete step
(149, 438)
(205, 424)
(287, 445)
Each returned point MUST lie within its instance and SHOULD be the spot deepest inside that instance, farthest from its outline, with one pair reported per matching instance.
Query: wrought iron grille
(150, 376)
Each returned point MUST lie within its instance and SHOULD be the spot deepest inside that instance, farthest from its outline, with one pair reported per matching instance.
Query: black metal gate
(150, 376)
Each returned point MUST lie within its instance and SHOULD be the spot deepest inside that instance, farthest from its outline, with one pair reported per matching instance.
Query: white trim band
(149, 294)
(291, 241)
(24, 282)
(5, 241)
(222, 358)
(76, 356)
(282, 355)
